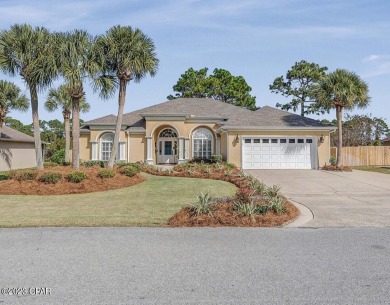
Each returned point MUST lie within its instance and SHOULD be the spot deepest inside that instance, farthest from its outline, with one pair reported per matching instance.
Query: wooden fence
(364, 155)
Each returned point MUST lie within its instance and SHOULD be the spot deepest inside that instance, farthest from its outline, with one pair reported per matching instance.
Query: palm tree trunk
(1, 124)
(37, 132)
(75, 132)
(121, 105)
(339, 116)
(67, 137)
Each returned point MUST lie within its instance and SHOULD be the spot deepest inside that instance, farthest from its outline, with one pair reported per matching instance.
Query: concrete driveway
(346, 199)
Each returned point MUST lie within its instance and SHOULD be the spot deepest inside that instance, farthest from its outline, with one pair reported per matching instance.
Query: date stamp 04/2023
(25, 291)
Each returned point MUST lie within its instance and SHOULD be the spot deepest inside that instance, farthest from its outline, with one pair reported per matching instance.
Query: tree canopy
(221, 85)
(341, 89)
(298, 84)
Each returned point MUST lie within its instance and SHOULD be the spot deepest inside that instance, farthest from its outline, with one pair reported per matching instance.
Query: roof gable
(12, 135)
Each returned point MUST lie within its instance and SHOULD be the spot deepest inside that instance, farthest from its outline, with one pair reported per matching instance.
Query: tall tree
(341, 89)
(10, 99)
(27, 51)
(75, 67)
(221, 85)
(299, 83)
(126, 54)
(60, 98)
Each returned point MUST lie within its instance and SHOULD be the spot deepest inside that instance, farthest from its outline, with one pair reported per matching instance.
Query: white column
(218, 144)
(181, 150)
(187, 149)
(149, 150)
(94, 150)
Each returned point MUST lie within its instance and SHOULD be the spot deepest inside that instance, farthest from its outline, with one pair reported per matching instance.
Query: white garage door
(282, 153)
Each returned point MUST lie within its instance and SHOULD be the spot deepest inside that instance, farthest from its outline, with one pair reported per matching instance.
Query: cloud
(377, 64)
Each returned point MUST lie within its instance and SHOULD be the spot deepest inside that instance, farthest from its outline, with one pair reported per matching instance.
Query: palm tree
(338, 90)
(10, 99)
(60, 98)
(124, 54)
(26, 51)
(76, 63)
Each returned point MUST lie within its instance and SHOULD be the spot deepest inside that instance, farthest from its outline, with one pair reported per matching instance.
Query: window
(291, 140)
(274, 140)
(256, 140)
(106, 142)
(309, 140)
(201, 143)
(301, 141)
(265, 140)
(283, 140)
(248, 140)
(168, 133)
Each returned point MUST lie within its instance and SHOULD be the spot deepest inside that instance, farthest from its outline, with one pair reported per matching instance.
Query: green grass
(149, 203)
(377, 169)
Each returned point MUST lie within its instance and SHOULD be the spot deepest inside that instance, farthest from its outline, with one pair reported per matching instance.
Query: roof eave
(250, 128)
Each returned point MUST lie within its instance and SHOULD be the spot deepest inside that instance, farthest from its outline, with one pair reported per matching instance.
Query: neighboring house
(386, 142)
(17, 150)
(186, 128)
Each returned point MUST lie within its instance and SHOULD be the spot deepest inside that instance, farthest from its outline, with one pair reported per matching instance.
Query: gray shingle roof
(237, 116)
(12, 135)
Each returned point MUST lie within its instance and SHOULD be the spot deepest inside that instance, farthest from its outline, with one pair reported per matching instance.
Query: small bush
(203, 205)
(24, 174)
(216, 158)
(137, 166)
(106, 173)
(58, 157)
(128, 171)
(92, 163)
(76, 176)
(50, 164)
(247, 209)
(277, 204)
(50, 177)
(242, 196)
(230, 166)
(4, 175)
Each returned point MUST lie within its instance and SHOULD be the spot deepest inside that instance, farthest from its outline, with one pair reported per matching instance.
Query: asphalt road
(195, 266)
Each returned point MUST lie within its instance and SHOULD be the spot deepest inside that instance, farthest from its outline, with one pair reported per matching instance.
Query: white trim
(227, 146)
(187, 149)
(149, 147)
(94, 150)
(218, 145)
(128, 147)
(270, 128)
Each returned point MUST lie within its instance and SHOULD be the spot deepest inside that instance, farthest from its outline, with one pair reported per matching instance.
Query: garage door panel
(270, 153)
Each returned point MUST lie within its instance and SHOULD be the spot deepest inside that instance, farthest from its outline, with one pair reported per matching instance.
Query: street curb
(305, 215)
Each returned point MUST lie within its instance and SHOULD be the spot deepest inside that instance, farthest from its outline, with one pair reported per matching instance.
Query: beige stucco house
(17, 150)
(182, 129)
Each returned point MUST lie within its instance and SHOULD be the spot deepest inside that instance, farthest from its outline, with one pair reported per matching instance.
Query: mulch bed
(92, 184)
(335, 168)
(223, 215)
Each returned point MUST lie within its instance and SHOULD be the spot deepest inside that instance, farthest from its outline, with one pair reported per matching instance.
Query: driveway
(337, 199)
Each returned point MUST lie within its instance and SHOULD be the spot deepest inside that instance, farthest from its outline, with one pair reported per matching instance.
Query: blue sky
(259, 40)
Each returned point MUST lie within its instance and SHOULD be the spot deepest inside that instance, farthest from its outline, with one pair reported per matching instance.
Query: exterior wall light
(322, 139)
(236, 139)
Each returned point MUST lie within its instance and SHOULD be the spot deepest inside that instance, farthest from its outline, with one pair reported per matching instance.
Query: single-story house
(17, 150)
(185, 128)
(386, 142)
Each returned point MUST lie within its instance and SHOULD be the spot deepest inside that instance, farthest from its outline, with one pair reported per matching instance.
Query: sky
(259, 40)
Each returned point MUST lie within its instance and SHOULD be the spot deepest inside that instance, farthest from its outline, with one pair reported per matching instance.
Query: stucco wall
(234, 155)
(16, 155)
(137, 148)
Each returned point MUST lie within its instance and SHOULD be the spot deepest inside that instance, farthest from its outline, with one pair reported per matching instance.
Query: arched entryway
(167, 146)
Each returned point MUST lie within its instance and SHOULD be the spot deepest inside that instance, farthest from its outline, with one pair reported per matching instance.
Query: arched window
(168, 133)
(106, 142)
(202, 143)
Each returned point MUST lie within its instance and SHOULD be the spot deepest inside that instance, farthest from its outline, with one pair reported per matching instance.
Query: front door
(166, 151)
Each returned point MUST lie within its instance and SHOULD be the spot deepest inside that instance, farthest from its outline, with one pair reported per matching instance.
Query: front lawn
(377, 169)
(150, 203)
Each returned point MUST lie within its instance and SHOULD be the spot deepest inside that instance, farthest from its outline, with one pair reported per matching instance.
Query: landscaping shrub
(106, 173)
(24, 174)
(50, 164)
(277, 204)
(4, 175)
(76, 176)
(50, 177)
(137, 166)
(230, 166)
(216, 158)
(203, 205)
(92, 163)
(247, 209)
(58, 157)
(128, 171)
